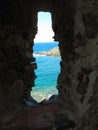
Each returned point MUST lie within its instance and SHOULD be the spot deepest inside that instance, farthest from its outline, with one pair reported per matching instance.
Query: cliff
(53, 52)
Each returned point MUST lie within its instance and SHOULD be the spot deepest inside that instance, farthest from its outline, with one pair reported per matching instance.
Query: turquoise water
(47, 71)
(44, 46)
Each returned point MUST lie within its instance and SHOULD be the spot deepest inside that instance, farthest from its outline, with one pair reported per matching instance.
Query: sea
(48, 69)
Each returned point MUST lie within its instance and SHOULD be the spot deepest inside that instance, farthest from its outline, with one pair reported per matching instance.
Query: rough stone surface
(16, 71)
(75, 26)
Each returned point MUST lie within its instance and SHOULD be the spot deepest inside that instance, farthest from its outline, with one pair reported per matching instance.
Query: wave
(35, 55)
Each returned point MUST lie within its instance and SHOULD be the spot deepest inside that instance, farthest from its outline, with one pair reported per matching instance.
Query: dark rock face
(16, 72)
(75, 26)
(90, 25)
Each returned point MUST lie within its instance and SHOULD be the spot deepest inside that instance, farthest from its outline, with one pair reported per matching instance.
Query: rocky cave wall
(78, 80)
(75, 24)
(16, 62)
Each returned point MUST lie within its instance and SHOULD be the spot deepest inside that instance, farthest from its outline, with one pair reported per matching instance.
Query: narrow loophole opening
(47, 56)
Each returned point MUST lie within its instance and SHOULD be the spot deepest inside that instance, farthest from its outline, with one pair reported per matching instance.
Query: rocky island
(53, 52)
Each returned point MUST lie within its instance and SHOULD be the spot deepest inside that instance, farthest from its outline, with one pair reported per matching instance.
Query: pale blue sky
(45, 32)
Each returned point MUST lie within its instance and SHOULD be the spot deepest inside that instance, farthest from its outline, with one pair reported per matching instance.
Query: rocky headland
(53, 52)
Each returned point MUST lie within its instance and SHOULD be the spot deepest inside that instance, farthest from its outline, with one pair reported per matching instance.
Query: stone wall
(87, 64)
(16, 62)
(77, 82)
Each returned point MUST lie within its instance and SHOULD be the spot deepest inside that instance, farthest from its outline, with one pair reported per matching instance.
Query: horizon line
(45, 42)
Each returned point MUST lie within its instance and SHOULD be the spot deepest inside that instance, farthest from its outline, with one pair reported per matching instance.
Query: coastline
(43, 93)
(52, 52)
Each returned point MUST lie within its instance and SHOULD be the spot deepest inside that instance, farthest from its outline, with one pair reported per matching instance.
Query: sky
(45, 32)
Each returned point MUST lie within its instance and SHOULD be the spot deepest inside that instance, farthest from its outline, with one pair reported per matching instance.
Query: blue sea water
(47, 71)
(44, 46)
